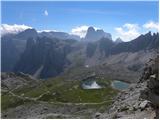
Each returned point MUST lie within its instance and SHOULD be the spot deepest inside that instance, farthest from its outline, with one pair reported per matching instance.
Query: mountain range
(44, 74)
(48, 54)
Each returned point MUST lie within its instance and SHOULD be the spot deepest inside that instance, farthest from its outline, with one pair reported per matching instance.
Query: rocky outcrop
(140, 100)
(151, 76)
(11, 81)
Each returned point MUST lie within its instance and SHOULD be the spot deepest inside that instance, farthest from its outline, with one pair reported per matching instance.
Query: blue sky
(69, 16)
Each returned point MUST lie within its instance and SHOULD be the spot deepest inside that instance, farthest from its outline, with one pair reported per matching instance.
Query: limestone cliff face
(151, 76)
(45, 56)
(140, 100)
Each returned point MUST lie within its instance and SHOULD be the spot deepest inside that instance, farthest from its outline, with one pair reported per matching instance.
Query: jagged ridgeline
(108, 47)
(49, 54)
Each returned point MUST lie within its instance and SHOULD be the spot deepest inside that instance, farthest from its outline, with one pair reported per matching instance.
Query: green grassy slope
(59, 90)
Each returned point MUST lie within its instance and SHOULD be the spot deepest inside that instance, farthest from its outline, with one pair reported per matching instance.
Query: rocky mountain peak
(27, 34)
(94, 35)
(149, 32)
(30, 31)
(118, 40)
(90, 30)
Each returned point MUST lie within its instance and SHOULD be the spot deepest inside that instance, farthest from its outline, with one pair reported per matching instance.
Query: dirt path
(59, 103)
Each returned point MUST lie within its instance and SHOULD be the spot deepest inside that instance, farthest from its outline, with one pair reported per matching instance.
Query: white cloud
(81, 30)
(151, 25)
(5, 28)
(46, 13)
(128, 31)
(47, 31)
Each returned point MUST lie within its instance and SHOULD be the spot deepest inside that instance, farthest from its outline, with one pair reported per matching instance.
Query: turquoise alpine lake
(120, 85)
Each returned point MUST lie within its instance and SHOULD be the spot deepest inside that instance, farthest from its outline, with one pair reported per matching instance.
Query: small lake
(91, 85)
(120, 85)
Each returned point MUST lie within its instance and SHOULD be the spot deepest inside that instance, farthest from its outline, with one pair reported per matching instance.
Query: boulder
(144, 104)
(97, 115)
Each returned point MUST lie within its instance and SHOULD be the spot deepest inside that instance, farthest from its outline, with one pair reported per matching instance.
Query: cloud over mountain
(39, 31)
(80, 30)
(6, 28)
(128, 31)
(151, 25)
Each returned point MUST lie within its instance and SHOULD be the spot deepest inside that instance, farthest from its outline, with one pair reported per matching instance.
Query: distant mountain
(124, 60)
(20, 39)
(47, 54)
(94, 35)
(118, 40)
(59, 35)
(16, 44)
(13, 45)
(108, 47)
(143, 42)
(28, 33)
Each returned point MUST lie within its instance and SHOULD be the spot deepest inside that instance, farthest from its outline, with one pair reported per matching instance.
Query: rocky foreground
(141, 100)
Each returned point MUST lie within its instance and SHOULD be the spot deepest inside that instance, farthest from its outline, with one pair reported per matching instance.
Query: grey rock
(97, 115)
(144, 104)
